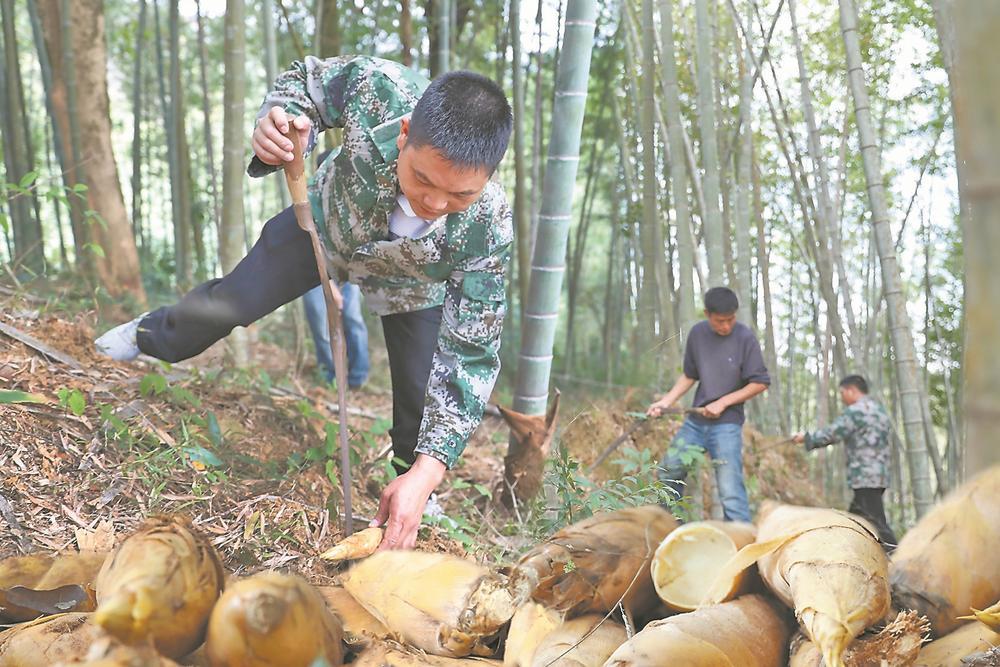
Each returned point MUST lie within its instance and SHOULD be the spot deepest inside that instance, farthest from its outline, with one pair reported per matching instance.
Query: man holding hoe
(723, 357)
(409, 213)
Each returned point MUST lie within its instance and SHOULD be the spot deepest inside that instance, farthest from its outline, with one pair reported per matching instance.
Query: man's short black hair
(721, 301)
(855, 381)
(466, 118)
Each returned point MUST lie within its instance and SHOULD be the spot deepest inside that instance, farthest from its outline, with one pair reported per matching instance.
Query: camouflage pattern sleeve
(467, 359)
(839, 429)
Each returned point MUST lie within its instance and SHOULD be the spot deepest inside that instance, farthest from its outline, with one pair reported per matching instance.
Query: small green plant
(73, 400)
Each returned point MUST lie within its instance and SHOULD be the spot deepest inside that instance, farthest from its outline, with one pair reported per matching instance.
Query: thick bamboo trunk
(901, 332)
(711, 215)
(977, 100)
(742, 221)
(180, 181)
(549, 256)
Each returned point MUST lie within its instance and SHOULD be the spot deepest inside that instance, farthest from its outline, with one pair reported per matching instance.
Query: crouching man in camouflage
(865, 429)
(411, 216)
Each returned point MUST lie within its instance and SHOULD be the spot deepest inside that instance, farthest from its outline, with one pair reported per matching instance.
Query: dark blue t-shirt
(721, 365)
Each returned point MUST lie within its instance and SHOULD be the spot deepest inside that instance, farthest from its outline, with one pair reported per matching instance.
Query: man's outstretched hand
(401, 506)
(269, 141)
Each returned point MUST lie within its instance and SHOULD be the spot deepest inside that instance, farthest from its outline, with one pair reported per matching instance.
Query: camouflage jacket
(865, 429)
(460, 263)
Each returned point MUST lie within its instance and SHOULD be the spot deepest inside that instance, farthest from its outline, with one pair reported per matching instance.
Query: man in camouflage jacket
(865, 428)
(412, 216)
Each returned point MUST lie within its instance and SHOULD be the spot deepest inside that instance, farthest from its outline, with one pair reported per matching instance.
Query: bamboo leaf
(15, 396)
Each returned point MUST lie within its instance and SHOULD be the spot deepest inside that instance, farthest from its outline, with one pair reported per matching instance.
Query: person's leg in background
(410, 340)
(867, 503)
(315, 306)
(278, 269)
(355, 333)
(673, 467)
(725, 446)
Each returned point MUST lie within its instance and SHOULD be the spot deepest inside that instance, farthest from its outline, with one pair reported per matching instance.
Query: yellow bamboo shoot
(108, 652)
(593, 564)
(273, 619)
(687, 562)
(948, 563)
(386, 655)
(949, 650)
(441, 604)
(585, 641)
(45, 572)
(825, 564)
(897, 645)
(358, 545)
(360, 627)
(989, 616)
(48, 641)
(750, 631)
(160, 585)
(529, 626)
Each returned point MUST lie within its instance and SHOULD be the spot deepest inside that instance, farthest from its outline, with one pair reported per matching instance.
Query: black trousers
(868, 504)
(278, 269)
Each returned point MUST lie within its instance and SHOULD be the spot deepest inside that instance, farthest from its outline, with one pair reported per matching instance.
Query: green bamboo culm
(548, 262)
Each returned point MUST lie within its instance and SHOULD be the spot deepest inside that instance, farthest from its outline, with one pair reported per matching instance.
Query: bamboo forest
(533, 333)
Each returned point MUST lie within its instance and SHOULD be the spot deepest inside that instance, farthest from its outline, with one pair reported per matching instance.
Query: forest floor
(95, 446)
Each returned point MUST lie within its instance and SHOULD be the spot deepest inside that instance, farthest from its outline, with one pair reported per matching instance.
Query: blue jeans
(724, 444)
(355, 333)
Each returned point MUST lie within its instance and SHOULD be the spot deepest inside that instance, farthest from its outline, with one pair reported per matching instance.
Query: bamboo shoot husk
(529, 626)
(949, 650)
(825, 564)
(593, 564)
(360, 627)
(357, 545)
(160, 585)
(385, 655)
(897, 644)
(686, 563)
(273, 619)
(48, 641)
(585, 641)
(441, 604)
(750, 631)
(948, 563)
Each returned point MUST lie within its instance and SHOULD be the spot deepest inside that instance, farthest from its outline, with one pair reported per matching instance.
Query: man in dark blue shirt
(723, 357)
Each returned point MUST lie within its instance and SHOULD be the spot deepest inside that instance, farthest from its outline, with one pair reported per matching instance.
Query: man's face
(721, 324)
(849, 394)
(432, 184)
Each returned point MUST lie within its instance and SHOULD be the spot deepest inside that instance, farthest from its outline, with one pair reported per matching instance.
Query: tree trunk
(908, 376)
(85, 64)
(977, 107)
(137, 80)
(678, 171)
(327, 40)
(522, 220)
(233, 146)
(406, 33)
(180, 185)
(57, 139)
(441, 58)
(28, 245)
(777, 409)
(741, 225)
(207, 134)
(711, 216)
(548, 261)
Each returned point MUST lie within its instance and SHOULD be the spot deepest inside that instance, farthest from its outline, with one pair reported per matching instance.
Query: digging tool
(296, 179)
(641, 422)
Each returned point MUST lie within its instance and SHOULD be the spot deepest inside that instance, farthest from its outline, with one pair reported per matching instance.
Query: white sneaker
(120, 343)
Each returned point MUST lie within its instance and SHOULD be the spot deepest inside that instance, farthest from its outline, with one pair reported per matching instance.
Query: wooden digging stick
(295, 177)
(636, 426)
